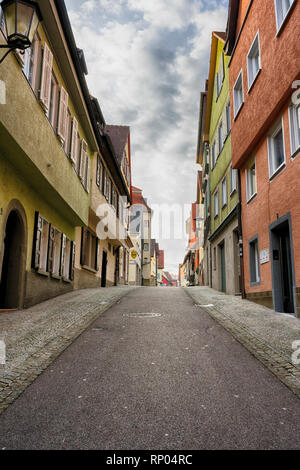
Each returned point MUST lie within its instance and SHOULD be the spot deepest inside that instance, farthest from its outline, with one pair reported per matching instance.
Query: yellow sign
(133, 254)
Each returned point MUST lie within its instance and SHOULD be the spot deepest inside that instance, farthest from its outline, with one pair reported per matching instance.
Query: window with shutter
(67, 260)
(46, 77)
(83, 161)
(38, 227)
(99, 172)
(73, 150)
(83, 246)
(62, 254)
(51, 249)
(87, 185)
(63, 115)
(72, 263)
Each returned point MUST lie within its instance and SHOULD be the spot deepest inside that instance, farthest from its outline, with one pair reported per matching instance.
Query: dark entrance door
(223, 268)
(282, 268)
(104, 269)
(11, 275)
(117, 266)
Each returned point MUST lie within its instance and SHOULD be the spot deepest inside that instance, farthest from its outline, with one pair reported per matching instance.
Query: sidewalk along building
(48, 240)
(140, 222)
(224, 230)
(47, 143)
(263, 42)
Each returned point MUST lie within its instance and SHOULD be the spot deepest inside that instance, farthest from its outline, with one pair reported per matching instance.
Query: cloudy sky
(148, 61)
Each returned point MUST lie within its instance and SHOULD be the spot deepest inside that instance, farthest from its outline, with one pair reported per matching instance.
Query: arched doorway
(13, 262)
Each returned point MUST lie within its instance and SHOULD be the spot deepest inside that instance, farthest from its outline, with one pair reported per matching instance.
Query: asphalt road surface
(174, 381)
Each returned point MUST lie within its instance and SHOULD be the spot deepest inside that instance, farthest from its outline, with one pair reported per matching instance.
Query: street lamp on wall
(21, 19)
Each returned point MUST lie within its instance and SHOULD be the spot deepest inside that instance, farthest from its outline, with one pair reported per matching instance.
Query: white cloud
(148, 73)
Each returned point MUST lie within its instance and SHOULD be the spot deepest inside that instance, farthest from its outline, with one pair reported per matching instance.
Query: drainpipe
(241, 237)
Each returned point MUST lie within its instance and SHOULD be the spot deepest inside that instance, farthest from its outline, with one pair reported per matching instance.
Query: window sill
(224, 205)
(280, 29)
(254, 81)
(87, 268)
(56, 277)
(238, 112)
(295, 154)
(42, 273)
(255, 284)
(276, 172)
(233, 192)
(251, 198)
(67, 281)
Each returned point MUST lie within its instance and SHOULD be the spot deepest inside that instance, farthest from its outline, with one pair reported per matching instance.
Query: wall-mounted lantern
(21, 19)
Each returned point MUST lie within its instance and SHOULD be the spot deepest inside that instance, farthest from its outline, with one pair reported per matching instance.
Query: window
(253, 61)
(294, 113)
(55, 251)
(146, 246)
(224, 192)
(238, 94)
(114, 198)
(89, 250)
(67, 144)
(233, 180)
(282, 8)
(53, 102)
(220, 77)
(215, 258)
(220, 137)
(254, 262)
(216, 204)
(46, 77)
(31, 58)
(228, 118)
(41, 243)
(251, 182)
(276, 149)
(213, 155)
(99, 173)
(63, 115)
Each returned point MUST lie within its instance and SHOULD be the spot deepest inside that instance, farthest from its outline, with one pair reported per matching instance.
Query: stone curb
(279, 364)
(14, 382)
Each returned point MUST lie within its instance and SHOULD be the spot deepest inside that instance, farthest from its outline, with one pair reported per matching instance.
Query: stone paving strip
(268, 335)
(36, 336)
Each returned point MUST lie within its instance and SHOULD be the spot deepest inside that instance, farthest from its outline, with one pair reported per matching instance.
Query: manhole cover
(141, 315)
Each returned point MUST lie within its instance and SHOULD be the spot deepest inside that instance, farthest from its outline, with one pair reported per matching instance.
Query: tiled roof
(137, 198)
(119, 136)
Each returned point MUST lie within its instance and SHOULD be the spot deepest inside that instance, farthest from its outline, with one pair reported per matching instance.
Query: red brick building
(263, 41)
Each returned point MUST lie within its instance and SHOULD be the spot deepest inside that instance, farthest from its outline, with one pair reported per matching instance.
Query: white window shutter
(63, 114)
(46, 76)
(83, 162)
(88, 174)
(74, 149)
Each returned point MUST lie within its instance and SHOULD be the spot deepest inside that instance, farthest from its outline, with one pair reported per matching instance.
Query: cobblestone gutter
(266, 334)
(37, 336)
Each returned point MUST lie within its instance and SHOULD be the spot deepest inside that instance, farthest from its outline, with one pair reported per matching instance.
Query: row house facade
(263, 45)
(220, 180)
(52, 144)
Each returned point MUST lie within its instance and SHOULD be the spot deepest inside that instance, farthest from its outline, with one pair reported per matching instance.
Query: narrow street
(175, 380)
